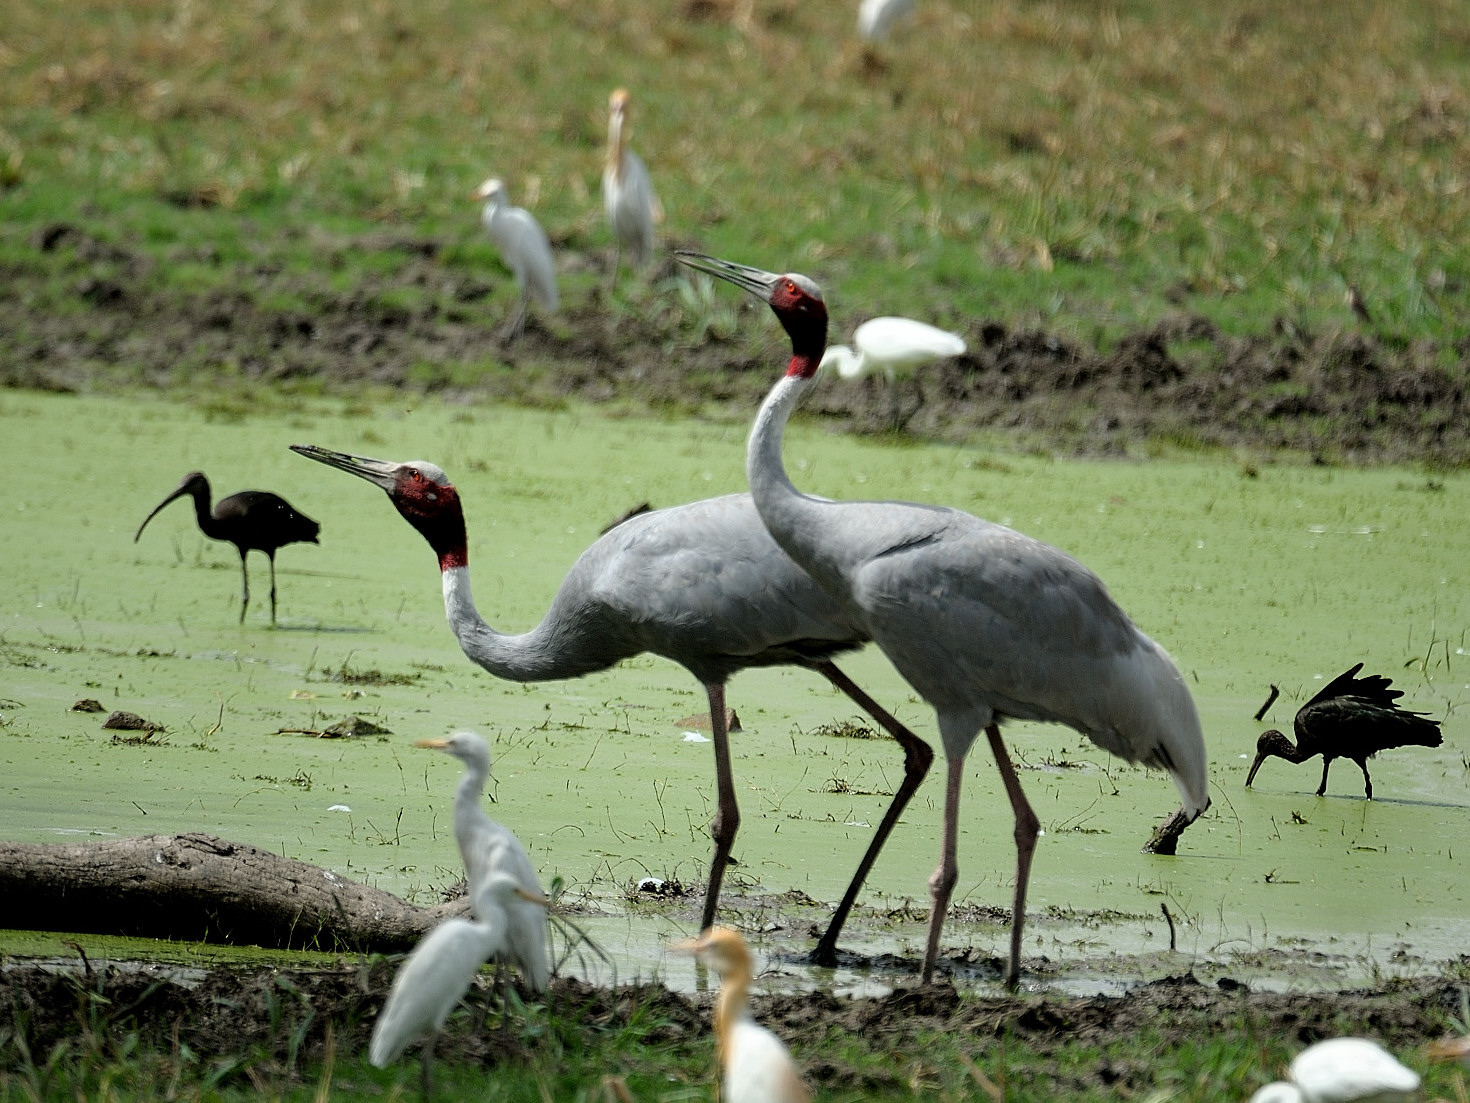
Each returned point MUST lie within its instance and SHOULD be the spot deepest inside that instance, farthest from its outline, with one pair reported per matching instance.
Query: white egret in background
(627, 192)
(438, 973)
(702, 584)
(756, 1066)
(985, 623)
(491, 850)
(877, 17)
(890, 346)
(1343, 1070)
(524, 249)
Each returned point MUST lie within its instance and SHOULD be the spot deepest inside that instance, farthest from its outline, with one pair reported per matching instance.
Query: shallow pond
(1248, 575)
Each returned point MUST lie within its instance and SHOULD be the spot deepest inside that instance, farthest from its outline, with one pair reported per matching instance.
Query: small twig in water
(1270, 700)
(1169, 919)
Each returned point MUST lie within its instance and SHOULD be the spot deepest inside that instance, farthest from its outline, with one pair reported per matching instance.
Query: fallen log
(202, 888)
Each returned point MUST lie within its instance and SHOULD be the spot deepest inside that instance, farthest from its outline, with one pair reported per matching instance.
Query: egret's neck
(844, 361)
(616, 140)
(467, 813)
(732, 1005)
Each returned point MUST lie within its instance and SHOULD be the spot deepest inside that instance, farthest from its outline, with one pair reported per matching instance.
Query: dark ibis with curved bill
(1352, 718)
(252, 520)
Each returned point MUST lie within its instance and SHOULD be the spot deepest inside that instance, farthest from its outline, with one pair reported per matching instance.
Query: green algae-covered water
(1248, 575)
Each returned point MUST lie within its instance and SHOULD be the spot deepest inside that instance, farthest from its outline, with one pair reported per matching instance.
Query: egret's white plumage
(491, 850)
(438, 973)
(627, 192)
(877, 17)
(524, 249)
(985, 623)
(756, 1065)
(1343, 1070)
(891, 345)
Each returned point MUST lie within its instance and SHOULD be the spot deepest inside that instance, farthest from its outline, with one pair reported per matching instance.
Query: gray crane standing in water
(1350, 717)
(702, 584)
(985, 623)
(252, 520)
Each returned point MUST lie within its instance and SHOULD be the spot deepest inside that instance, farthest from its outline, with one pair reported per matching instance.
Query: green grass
(571, 1053)
(1085, 167)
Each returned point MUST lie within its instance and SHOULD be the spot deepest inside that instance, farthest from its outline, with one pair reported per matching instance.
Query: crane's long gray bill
(380, 473)
(753, 280)
(179, 493)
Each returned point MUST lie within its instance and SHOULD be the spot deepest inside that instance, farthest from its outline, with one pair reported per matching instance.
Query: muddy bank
(82, 313)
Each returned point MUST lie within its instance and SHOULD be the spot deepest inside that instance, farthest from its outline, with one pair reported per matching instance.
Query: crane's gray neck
(539, 655)
(795, 520)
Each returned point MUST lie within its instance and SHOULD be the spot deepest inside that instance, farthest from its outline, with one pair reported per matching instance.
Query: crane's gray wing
(706, 585)
(987, 622)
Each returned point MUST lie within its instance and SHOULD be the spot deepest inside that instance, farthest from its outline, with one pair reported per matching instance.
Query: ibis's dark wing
(1370, 687)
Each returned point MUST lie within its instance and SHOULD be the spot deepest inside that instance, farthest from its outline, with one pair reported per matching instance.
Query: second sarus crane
(985, 623)
(702, 584)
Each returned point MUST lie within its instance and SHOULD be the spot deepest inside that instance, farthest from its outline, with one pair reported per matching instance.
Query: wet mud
(1345, 395)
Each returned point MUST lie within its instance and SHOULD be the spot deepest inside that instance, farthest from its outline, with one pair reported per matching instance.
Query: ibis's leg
(245, 593)
(1028, 827)
(272, 556)
(1367, 781)
(941, 882)
(1326, 765)
(917, 758)
(727, 812)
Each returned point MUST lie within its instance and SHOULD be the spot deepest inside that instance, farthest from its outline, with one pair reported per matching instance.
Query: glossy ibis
(251, 520)
(985, 623)
(1351, 718)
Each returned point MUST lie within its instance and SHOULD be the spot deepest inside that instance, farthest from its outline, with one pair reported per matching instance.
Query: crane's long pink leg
(941, 882)
(727, 812)
(1028, 827)
(917, 758)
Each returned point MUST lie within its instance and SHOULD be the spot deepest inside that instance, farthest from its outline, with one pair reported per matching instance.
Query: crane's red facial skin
(434, 509)
(804, 317)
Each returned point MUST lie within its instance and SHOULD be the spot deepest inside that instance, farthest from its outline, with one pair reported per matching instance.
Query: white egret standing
(757, 1066)
(985, 623)
(627, 192)
(523, 247)
(439, 971)
(1343, 1070)
(891, 345)
(702, 584)
(491, 850)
